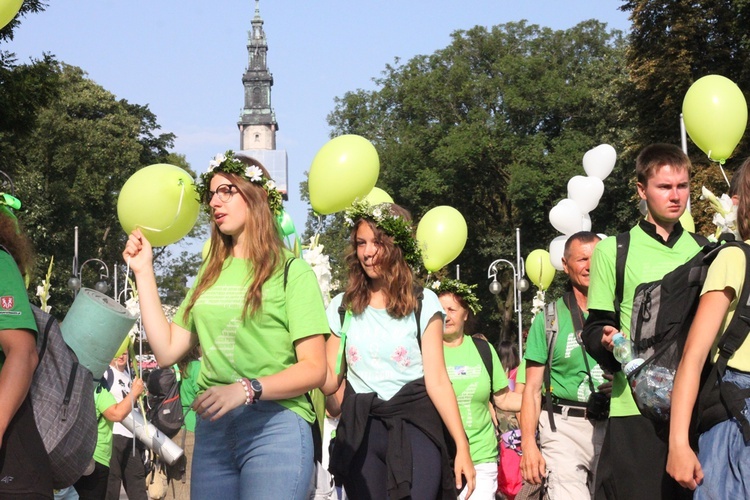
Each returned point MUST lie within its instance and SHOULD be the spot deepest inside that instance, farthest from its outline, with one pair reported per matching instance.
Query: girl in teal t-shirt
(397, 384)
(261, 326)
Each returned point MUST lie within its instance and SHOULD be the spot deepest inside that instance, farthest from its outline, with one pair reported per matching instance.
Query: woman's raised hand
(138, 253)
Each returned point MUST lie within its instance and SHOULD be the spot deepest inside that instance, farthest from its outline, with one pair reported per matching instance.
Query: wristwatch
(257, 389)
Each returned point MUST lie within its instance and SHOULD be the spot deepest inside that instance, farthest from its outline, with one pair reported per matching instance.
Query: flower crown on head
(393, 225)
(229, 164)
(458, 288)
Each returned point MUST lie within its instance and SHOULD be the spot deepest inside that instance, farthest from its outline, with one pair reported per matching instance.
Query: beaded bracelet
(246, 386)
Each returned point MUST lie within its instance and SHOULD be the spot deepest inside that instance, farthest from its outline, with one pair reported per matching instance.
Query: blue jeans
(724, 455)
(261, 451)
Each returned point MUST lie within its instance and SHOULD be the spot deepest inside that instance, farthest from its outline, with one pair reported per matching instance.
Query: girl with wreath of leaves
(390, 442)
(261, 331)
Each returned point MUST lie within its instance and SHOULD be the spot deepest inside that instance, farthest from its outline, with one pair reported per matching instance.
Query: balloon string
(721, 167)
(179, 208)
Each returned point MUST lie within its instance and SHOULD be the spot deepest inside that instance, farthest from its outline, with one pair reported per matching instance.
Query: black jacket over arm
(410, 404)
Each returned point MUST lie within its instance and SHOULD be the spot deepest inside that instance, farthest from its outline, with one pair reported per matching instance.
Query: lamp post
(75, 281)
(520, 285)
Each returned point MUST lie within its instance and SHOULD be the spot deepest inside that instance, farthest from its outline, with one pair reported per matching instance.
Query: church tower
(257, 122)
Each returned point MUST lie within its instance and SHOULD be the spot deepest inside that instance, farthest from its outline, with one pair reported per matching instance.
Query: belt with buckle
(572, 411)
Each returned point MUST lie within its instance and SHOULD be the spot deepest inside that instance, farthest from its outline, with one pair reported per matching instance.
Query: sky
(185, 58)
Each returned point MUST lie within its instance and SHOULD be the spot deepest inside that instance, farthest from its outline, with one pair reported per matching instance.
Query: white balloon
(586, 222)
(566, 217)
(585, 191)
(556, 251)
(600, 161)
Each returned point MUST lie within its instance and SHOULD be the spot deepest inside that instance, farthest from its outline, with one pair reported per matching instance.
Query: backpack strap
(483, 347)
(345, 318)
(577, 315)
(287, 265)
(623, 244)
(733, 337)
(419, 292)
(551, 326)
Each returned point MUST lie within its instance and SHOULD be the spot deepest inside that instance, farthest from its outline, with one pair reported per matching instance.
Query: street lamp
(75, 281)
(520, 285)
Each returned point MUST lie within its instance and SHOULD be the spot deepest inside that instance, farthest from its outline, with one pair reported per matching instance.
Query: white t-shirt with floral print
(382, 353)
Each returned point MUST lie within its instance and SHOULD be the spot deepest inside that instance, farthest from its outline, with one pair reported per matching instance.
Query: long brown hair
(743, 193)
(265, 253)
(400, 299)
(16, 242)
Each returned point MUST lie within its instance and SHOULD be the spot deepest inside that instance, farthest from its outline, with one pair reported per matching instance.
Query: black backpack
(662, 313)
(164, 405)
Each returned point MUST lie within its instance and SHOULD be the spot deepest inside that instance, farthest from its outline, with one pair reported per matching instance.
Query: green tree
(493, 125)
(68, 171)
(673, 44)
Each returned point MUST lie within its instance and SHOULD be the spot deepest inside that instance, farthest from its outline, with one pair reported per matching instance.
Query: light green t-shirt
(471, 383)
(188, 391)
(568, 376)
(103, 399)
(521, 372)
(728, 270)
(648, 260)
(262, 344)
(15, 311)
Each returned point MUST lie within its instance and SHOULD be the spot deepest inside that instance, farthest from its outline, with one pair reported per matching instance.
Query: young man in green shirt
(633, 457)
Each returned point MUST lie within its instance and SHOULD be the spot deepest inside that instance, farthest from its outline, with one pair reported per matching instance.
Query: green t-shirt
(471, 383)
(15, 311)
(188, 392)
(103, 399)
(521, 372)
(262, 344)
(568, 376)
(648, 260)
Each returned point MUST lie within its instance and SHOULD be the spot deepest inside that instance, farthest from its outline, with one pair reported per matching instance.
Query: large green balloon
(161, 201)
(378, 196)
(8, 10)
(715, 115)
(539, 268)
(441, 235)
(344, 169)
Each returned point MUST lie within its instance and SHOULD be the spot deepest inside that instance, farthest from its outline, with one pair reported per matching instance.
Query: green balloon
(441, 235)
(8, 10)
(344, 169)
(715, 115)
(161, 201)
(378, 196)
(539, 268)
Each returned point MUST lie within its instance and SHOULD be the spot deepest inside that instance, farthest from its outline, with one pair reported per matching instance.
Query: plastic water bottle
(623, 352)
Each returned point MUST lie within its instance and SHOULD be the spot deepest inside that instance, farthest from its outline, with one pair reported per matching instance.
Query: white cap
(632, 365)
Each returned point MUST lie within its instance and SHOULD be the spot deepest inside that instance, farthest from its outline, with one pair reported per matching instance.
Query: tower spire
(257, 122)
